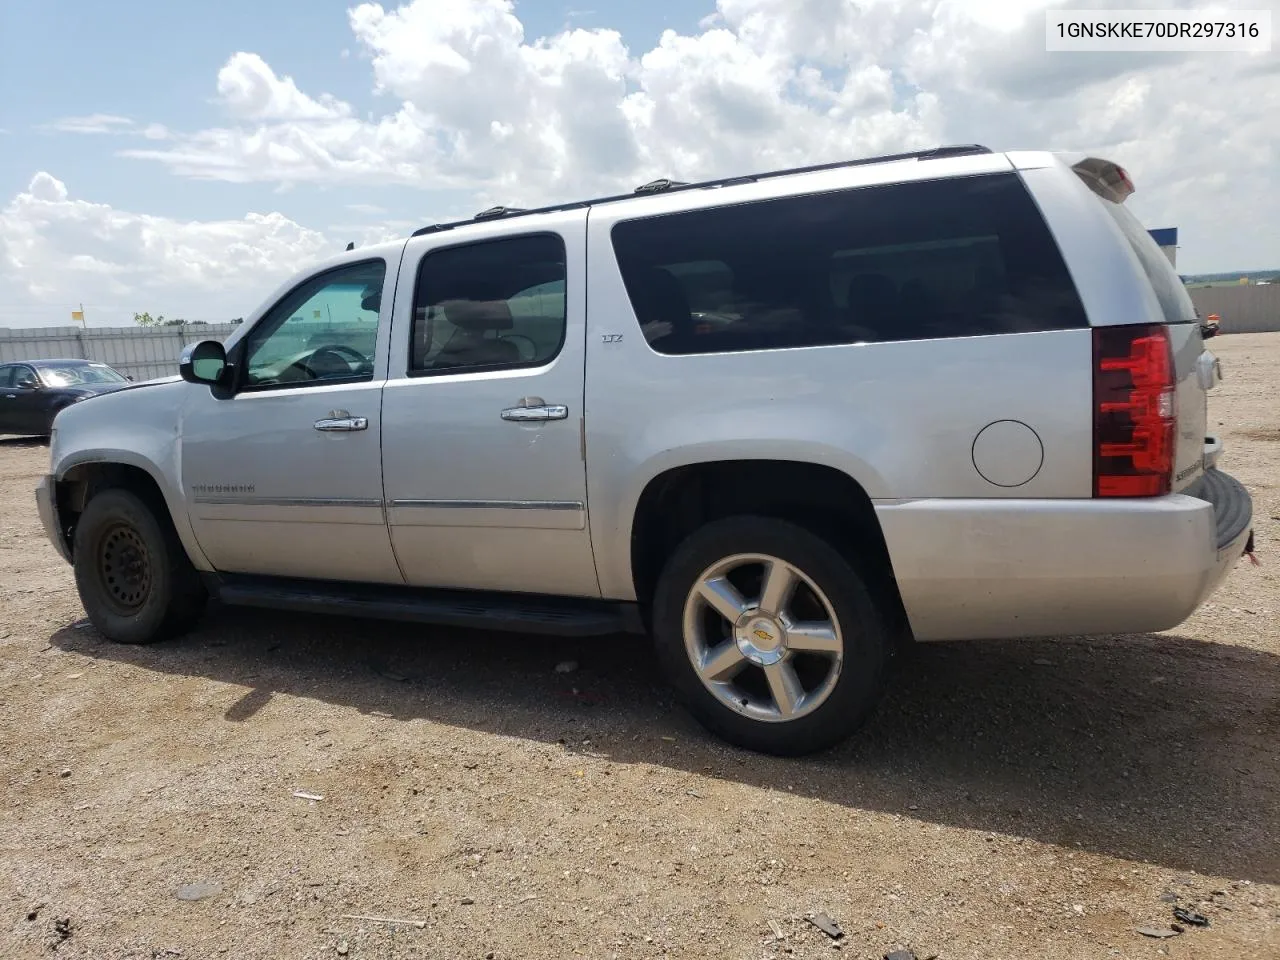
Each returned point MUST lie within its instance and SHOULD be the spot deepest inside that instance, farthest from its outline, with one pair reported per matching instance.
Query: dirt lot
(1035, 798)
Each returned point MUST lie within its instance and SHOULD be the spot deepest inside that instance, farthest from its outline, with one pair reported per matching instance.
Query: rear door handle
(536, 412)
(342, 424)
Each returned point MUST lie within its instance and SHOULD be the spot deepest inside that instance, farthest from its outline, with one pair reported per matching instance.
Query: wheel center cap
(761, 639)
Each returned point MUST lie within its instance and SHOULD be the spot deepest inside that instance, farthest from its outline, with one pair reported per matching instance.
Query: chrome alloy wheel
(763, 638)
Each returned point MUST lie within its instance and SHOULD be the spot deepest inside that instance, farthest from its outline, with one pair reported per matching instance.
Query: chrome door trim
(289, 501)
(570, 505)
(491, 504)
(509, 514)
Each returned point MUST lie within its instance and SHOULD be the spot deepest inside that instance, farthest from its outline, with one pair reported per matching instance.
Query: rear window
(946, 258)
(1175, 302)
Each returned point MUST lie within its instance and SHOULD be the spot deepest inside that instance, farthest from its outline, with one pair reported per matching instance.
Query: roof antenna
(351, 245)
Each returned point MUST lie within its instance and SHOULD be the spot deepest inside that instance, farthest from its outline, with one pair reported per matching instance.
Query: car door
(282, 471)
(8, 409)
(483, 461)
(22, 399)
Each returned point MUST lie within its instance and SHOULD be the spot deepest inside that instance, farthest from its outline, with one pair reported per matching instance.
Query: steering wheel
(340, 351)
(342, 348)
(533, 347)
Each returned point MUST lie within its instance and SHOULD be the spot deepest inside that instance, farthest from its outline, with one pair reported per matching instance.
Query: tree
(147, 320)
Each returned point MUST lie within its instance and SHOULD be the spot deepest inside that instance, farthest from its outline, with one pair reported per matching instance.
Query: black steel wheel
(134, 578)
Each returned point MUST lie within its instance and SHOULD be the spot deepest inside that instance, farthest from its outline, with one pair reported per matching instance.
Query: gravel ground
(1034, 798)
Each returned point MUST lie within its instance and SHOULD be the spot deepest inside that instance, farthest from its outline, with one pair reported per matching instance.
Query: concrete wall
(141, 352)
(1243, 309)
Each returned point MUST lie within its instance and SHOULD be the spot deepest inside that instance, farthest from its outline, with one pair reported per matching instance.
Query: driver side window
(323, 331)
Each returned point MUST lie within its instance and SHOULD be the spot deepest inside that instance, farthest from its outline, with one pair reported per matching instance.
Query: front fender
(133, 428)
(66, 468)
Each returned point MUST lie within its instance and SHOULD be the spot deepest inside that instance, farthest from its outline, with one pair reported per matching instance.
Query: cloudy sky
(185, 158)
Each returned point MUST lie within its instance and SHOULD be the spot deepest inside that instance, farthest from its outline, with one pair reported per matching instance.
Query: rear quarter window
(945, 258)
(1175, 302)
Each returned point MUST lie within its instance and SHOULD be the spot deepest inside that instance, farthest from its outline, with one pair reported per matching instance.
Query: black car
(33, 391)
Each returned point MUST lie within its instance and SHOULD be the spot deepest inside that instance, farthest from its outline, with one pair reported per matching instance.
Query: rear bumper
(47, 507)
(1021, 568)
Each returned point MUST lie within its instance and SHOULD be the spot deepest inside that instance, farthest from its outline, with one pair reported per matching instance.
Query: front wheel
(134, 578)
(769, 635)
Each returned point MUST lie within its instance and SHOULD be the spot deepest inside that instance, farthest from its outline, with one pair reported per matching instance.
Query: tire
(134, 578)
(830, 633)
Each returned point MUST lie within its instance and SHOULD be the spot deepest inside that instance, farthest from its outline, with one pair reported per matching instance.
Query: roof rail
(495, 213)
(659, 186)
(670, 186)
(934, 153)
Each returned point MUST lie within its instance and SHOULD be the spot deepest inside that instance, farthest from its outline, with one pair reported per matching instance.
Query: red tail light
(1134, 414)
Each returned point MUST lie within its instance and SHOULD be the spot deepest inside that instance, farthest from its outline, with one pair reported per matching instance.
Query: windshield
(72, 375)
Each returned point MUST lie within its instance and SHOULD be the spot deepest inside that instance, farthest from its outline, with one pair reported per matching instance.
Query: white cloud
(55, 248)
(471, 102)
(109, 123)
(368, 234)
(478, 105)
(250, 90)
(94, 123)
(1196, 132)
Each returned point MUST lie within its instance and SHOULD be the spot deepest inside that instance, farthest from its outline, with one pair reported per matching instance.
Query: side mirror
(27, 383)
(129, 377)
(204, 362)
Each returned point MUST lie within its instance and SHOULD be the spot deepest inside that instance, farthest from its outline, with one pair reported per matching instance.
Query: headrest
(660, 299)
(371, 299)
(476, 316)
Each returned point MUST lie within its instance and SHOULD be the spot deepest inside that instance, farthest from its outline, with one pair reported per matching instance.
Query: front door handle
(537, 412)
(342, 424)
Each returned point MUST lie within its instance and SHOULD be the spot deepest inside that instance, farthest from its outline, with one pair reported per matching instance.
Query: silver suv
(785, 423)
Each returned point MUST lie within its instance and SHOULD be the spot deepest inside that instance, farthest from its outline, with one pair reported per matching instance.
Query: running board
(512, 612)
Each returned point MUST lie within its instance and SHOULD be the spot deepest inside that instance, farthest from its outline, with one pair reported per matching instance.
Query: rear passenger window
(491, 305)
(945, 258)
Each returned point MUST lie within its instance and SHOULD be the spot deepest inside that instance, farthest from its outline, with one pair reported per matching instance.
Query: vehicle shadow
(1153, 748)
(18, 442)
